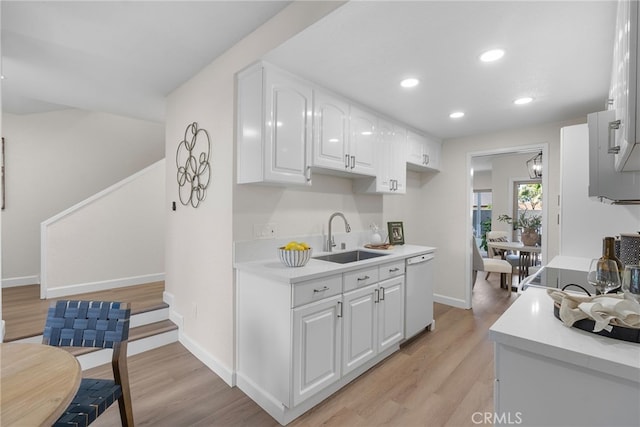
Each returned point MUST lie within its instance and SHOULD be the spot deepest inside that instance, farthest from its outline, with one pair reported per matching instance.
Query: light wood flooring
(24, 312)
(438, 379)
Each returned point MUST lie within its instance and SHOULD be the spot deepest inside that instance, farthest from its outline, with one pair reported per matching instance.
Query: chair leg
(121, 376)
(487, 276)
(503, 280)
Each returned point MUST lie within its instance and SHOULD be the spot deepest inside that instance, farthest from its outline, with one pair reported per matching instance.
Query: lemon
(291, 246)
(304, 246)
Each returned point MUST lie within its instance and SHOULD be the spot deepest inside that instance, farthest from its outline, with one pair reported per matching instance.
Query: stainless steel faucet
(347, 227)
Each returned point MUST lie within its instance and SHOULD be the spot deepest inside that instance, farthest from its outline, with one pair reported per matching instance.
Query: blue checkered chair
(101, 324)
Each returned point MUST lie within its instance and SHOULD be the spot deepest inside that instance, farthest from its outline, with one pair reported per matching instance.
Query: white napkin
(605, 310)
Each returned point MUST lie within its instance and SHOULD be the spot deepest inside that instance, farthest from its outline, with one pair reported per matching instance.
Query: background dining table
(37, 383)
(524, 252)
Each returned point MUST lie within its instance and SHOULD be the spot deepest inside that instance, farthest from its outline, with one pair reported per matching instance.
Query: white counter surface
(274, 269)
(529, 324)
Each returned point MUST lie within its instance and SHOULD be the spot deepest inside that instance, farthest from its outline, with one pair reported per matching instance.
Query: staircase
(150, 327)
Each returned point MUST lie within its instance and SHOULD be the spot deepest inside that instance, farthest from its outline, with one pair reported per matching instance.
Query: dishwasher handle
(420, 258)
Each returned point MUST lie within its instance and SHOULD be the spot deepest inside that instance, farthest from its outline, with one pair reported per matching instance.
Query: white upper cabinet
(286, 126)
(274, 127)
(391, 162)
(423, 153)
(344, 138)
(362, 141)
(623, 91)
(392, 168)
(331, 128)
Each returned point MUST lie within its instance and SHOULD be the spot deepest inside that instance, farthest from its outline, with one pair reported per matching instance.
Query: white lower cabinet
(359, 343)
(373, 321)
(299, 343)
(317, 337)
(390, 313)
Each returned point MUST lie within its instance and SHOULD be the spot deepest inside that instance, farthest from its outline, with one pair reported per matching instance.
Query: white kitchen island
(547, 374)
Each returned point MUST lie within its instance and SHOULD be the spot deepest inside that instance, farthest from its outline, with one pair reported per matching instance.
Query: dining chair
(509, 256)
(491, 265)
(100, 324)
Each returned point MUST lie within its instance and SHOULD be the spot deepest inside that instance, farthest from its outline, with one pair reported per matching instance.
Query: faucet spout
(347, 227)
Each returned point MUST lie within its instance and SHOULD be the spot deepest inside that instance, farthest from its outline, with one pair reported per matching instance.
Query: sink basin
(347, 257)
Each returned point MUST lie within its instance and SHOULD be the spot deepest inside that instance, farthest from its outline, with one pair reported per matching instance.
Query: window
(482, 205)
(527, 200)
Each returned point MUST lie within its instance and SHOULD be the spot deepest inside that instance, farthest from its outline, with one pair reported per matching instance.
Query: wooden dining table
(37, 383)
(524, 251)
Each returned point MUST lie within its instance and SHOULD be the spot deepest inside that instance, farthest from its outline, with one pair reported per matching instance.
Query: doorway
(503, 173)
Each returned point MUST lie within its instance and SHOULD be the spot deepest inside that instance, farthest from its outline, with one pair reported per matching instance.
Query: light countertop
(529, 324)
(314, 269)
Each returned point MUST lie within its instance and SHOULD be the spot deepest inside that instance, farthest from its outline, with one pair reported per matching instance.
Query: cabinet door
(624, 86)
(359, 343)
(288, 129)
(398, 160)
(331, 133)
(384, 178)
(432, 154)
(362, 142)
(416, 148)
(391, 313)
(391, 173)
(316, 347)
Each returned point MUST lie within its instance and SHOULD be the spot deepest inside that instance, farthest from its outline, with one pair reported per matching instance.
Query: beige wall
(199, 270)
(482, 180)
(446, 200)
(56, 159)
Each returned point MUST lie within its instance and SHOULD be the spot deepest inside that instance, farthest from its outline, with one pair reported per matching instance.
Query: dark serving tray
(617, 332)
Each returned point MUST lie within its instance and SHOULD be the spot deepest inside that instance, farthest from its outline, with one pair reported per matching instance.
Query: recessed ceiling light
(522, 101)
(411, 82)
(456, 115)
(492, 55)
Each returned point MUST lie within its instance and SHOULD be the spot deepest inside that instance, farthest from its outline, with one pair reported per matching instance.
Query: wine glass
(604, 275)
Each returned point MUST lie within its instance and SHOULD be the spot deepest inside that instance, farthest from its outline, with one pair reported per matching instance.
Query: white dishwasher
(419, 294)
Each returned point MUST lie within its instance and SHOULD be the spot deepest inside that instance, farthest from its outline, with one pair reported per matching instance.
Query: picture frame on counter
(396, 232)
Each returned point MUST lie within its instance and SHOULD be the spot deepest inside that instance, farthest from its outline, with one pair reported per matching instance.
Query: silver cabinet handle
(363, 278)
(339, 309)
(393, 270)
(353, 162)
(324, 288)
(426, 159)
(382, 294)
(376, 298)
(613, 126)
(308, 174)
(346, 161)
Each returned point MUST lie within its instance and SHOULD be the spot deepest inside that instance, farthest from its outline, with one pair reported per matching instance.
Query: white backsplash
(254, 250)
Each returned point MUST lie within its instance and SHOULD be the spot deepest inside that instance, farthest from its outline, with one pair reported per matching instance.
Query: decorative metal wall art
(192, 161)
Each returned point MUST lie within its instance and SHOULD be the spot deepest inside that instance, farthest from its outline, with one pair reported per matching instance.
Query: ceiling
(66, 54)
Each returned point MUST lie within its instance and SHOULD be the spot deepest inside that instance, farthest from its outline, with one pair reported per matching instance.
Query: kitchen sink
(347, 257)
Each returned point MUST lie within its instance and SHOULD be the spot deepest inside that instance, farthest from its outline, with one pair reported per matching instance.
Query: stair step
(135, 334)
(149, 327)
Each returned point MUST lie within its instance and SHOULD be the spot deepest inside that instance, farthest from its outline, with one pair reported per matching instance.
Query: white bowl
(292, 258)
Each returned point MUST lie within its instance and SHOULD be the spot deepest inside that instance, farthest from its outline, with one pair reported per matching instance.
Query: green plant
(524, 221)
(485, 226)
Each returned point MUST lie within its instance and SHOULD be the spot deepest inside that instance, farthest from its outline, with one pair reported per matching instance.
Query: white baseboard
(211, 362)
(227, 375)
(453, 302)
(13, 282)
(79, 288)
